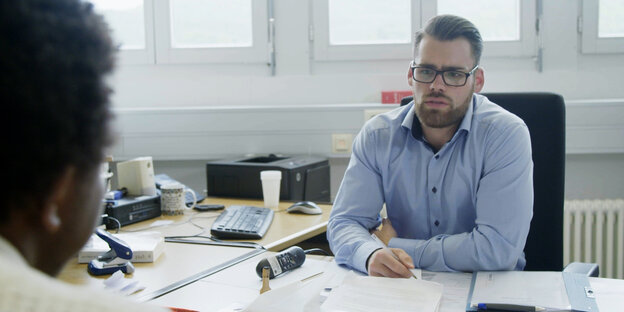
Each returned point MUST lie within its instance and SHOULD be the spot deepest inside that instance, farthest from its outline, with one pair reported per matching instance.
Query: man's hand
(386, 233)
(382, 263)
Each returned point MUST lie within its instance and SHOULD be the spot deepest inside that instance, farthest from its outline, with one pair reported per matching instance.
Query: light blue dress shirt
(467, 207)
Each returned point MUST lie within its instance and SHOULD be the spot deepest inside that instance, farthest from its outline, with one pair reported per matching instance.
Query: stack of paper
(367, 293)
(146, 246)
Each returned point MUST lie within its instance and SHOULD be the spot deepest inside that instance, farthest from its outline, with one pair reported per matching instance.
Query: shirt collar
(9, 252)
(413, 124)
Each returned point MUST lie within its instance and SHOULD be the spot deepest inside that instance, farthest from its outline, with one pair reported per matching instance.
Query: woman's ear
(59, 198)
(50, 218)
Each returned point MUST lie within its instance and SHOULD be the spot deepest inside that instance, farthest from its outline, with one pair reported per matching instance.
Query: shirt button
(437, 156)
(434, 189)
(436, 223)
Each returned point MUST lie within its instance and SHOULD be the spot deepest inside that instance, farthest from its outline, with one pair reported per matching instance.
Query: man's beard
(435, 118)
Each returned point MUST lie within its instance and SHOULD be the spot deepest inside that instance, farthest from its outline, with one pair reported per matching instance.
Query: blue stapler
(117, 258)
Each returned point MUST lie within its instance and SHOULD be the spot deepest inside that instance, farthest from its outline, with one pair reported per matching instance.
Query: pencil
(391, 253)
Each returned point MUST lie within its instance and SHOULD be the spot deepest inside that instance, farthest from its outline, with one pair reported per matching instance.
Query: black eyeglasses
(453, 78)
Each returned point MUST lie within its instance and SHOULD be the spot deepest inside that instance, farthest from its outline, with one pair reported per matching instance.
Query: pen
(390, 252)
(508, 307)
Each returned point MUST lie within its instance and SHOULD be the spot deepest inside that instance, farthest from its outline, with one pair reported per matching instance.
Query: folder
(562, 291)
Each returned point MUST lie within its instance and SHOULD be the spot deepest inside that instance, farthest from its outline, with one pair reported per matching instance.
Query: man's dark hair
(450, 27)
(54, 55)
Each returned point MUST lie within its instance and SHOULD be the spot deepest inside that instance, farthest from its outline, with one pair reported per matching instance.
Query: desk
(287, 229)
(234, 287)
(217, 290)
(225, 289)
(180, 261)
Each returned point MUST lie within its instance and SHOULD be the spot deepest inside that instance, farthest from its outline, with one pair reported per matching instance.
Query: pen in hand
(386, 249)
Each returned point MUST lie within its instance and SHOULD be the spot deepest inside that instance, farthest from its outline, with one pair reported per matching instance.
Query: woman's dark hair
(54, 55)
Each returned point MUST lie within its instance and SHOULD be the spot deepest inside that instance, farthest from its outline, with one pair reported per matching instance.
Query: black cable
(319, 250)
(114, 219)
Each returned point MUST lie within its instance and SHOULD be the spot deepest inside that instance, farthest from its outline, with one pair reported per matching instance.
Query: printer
(303, 177)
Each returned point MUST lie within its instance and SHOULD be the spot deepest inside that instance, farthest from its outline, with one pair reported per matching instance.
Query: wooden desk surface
(180, 261)
(287, 229)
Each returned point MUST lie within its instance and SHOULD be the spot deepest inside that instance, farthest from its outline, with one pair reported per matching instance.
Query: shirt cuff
(362, 253)
(410, 247)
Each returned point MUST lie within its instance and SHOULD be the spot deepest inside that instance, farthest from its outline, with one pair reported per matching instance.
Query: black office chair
(544, 115)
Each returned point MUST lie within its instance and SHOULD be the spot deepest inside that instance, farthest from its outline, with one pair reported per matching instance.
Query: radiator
(593, 231)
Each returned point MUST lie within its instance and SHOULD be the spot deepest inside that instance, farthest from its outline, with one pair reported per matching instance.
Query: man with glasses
(453, 169)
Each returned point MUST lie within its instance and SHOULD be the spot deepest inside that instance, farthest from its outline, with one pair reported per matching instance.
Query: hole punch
(117, 258)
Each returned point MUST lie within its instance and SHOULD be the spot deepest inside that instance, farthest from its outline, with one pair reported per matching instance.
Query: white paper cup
(271, 187)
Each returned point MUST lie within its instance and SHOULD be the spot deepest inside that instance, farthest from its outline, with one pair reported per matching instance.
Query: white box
(146, 246)
(137, 175)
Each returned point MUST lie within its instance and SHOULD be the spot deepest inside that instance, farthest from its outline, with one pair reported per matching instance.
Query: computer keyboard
(243, 222)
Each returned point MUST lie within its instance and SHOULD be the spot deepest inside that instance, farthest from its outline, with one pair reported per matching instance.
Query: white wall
(185, 114)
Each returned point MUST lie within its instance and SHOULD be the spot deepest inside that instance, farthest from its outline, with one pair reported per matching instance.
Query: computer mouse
(306, 207)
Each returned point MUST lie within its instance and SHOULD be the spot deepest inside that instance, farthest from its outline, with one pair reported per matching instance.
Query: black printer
(303, 177)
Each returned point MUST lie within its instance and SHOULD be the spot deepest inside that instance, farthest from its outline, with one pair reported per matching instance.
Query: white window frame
(422, 11)
(323, 51)
(147, 54)
(525, 47)
(257, 53)
(590, 42)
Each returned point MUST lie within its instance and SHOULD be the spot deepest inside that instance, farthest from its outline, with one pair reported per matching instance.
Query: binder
(561, 291)
(580, 293)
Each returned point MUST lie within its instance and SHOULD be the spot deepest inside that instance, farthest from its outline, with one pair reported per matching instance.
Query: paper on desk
(368, 293)
(119, 284)
(245, 275)
(297, 296)
(301, 295)
(456, 286)
(542, 289)
(417, 273)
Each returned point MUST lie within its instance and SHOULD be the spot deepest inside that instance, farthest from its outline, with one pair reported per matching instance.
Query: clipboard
(561, 291)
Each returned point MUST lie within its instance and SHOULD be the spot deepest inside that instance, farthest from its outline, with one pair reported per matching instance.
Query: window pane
(496, 20)
(126, 20)
(610, 22)
(369, 22)
(211, 23)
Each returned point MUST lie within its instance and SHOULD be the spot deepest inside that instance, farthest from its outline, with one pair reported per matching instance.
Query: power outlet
(341, 143)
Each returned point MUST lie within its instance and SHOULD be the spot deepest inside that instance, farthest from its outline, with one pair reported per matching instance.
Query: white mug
(172, 199)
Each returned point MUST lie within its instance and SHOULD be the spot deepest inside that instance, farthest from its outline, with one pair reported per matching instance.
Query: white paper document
(539, 289)
(245, 275)
(456, 286)
(368, 293)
